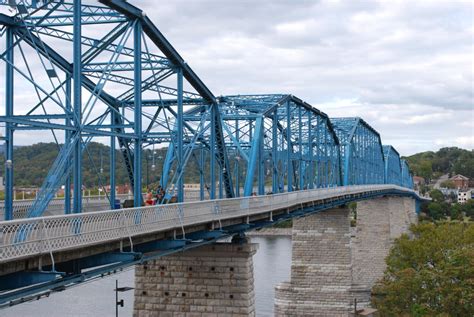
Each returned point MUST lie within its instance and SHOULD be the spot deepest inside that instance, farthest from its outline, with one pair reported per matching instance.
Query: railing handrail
(23, 237)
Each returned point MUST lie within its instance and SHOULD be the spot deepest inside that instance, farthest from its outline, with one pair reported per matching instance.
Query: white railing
(89, 203)
(35, 236)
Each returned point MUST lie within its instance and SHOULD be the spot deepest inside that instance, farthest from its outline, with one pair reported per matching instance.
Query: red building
(460, 181)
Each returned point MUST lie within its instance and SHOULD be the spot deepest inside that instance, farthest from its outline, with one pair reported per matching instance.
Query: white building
(2, 186)
(464, 195)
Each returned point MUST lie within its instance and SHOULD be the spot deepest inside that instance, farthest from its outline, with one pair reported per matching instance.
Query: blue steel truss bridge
(80, 72)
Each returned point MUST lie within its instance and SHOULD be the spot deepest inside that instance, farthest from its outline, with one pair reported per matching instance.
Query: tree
(448, 184)
(437, 210)
(426, 170)
(431, 274)
(437, 195)
(468, 208)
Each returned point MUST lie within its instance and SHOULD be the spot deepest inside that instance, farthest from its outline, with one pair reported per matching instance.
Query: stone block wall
(214, 280)
(321, 267)
(371, 242)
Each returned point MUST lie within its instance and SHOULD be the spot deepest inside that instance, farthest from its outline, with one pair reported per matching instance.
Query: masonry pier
(330, 269)
(212, 280)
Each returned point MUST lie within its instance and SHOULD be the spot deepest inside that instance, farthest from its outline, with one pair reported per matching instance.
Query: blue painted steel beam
(137, 162)
(77, 104)
(180, 136)
(9, 91)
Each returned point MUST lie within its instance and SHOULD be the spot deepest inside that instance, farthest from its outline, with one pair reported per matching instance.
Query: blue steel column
(237, 163)
(221, 179)
(137, 97)
(67, 183)
(213, 152)
(318, 153)
(347, 158)
(261, 162)
(289, 163)
(201, 174)
(180, 136)
(300, 141)
(77, 106)
(275, 185)
(310, 145)
(8, 126)
(112, 163)
(253, 157)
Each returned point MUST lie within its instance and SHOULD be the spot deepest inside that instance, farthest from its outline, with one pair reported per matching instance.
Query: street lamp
(121, 290)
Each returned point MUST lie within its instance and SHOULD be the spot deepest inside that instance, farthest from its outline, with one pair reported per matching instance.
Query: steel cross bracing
(407, 178)
(104, 72)
(361, 151)
(393, 166)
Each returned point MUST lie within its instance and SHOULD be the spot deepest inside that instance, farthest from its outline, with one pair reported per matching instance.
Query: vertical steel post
(347, 155)
(77, 87)
(289, 163)
(212, 152)
(112, 164)
(221, 179)
(201, 174)
(253, 157)
(261, 160)
(310, 149)
(137, 98)
(8, 126)
(318, 151)
(67, 137)
(180, 136)
(275, 185)
(237, 163)
(300, 143)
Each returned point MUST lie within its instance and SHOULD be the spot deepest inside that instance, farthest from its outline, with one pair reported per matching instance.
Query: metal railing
(35, 236)
(89, 204)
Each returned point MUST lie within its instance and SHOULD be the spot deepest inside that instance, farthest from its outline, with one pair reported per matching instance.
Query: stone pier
(379, 222)
(214, 280)
(321, 273)
(330, 269)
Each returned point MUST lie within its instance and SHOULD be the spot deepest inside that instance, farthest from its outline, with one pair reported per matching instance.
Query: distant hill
(33, 162)
(449, 160)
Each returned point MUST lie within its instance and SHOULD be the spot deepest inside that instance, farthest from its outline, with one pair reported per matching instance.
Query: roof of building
(459, 176)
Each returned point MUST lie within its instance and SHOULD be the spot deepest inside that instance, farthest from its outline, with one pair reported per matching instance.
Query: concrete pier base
(321, 274)
(214, 280)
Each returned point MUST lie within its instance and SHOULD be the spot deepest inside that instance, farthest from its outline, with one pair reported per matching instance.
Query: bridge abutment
(212, 280)
(321, 274)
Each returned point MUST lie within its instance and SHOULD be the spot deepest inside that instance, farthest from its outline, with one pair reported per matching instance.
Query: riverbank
(269, 232)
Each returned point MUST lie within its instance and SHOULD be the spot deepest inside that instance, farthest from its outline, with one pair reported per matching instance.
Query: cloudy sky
(406, 67)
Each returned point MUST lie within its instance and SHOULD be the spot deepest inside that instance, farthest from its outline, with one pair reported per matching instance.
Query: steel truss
(105, 71)
(361, 151)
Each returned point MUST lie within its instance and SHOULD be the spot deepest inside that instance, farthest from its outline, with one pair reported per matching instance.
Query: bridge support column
(212, 280)
(379, 222)
(321, 273)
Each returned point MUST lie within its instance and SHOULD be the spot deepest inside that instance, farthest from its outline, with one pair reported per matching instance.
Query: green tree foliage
(437, 195)
(448, 184)
(431, 274)
(449, 160)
